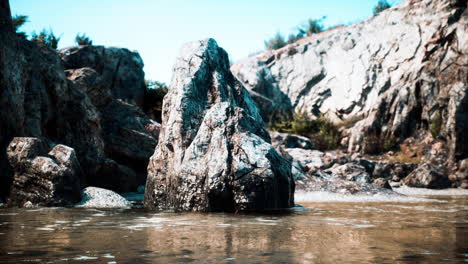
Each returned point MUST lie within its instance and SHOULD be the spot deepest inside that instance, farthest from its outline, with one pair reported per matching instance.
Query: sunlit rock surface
(397, 72)
(214, 153)
(94, 197)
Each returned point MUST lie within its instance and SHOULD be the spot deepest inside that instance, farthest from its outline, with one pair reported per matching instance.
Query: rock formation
(399, 72)
(214, 153)
(41, 178)
(116, 69)
(91, 105)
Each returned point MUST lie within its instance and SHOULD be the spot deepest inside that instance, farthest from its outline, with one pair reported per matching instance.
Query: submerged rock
(214, 153)
(41, 178)
(94, 197)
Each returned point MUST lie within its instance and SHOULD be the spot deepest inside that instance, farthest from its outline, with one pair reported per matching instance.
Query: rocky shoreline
(74, 119)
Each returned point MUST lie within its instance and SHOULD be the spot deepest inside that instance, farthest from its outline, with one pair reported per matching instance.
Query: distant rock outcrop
(214, 153)
(402, 71)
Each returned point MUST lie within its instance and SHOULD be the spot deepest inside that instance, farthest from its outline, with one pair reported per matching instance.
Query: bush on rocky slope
(83, 40)
(381, 6)
(46, 38)
(18, 21)
(321, 130)
(277, 42)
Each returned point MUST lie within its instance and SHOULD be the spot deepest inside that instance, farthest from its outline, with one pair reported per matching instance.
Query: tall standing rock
(214, 153)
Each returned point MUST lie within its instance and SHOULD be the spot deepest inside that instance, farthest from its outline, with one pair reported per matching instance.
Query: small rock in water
(28, 204)
(141, 189)
(94, 197)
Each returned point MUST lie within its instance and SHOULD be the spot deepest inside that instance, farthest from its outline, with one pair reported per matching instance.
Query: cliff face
(399, 72)
(78, 99)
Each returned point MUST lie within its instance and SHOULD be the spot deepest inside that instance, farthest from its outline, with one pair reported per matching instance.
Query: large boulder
(94, 197)
(41, 178)
(427, 176)
(214, 153)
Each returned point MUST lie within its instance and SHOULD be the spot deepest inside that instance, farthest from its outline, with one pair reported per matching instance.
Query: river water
(433, 230)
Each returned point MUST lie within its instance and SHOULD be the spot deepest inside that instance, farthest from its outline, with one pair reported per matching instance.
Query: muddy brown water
(434, 231)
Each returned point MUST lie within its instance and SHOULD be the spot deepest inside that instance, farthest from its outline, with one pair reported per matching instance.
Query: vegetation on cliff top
(381, 6)
(312, 26)
(83, 40)
(153, 100)
(44, 38)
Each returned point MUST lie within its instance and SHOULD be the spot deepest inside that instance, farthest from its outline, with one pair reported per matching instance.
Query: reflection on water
(390, 232)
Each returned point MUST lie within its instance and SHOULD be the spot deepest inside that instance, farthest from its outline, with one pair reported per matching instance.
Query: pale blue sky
(157, 29)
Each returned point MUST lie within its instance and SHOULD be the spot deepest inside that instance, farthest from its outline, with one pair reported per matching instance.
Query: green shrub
(45, 38)
(435, 125)
(321, 131)
(381, 6)
(83, 40)
(277, 42)
(18, 21)
(313, 26)
(350, 122)
(153, 101)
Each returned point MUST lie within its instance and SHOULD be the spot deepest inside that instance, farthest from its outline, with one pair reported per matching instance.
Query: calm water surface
(322, 232)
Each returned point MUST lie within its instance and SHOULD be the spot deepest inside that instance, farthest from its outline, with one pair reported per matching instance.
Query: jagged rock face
(76, 107)
(214, 152)
(118, 71)
(41, 178)
(399, 71)
(38, 101)
(113, 78)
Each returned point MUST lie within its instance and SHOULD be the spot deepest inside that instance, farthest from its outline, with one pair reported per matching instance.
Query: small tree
(313, 26)
(277, 42)
(381, 6)
(46, 38)
(83, 40)
(19, 21)
(153, 101)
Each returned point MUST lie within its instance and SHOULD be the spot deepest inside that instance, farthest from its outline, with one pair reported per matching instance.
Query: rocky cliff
(399, 73)
(85, 98)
